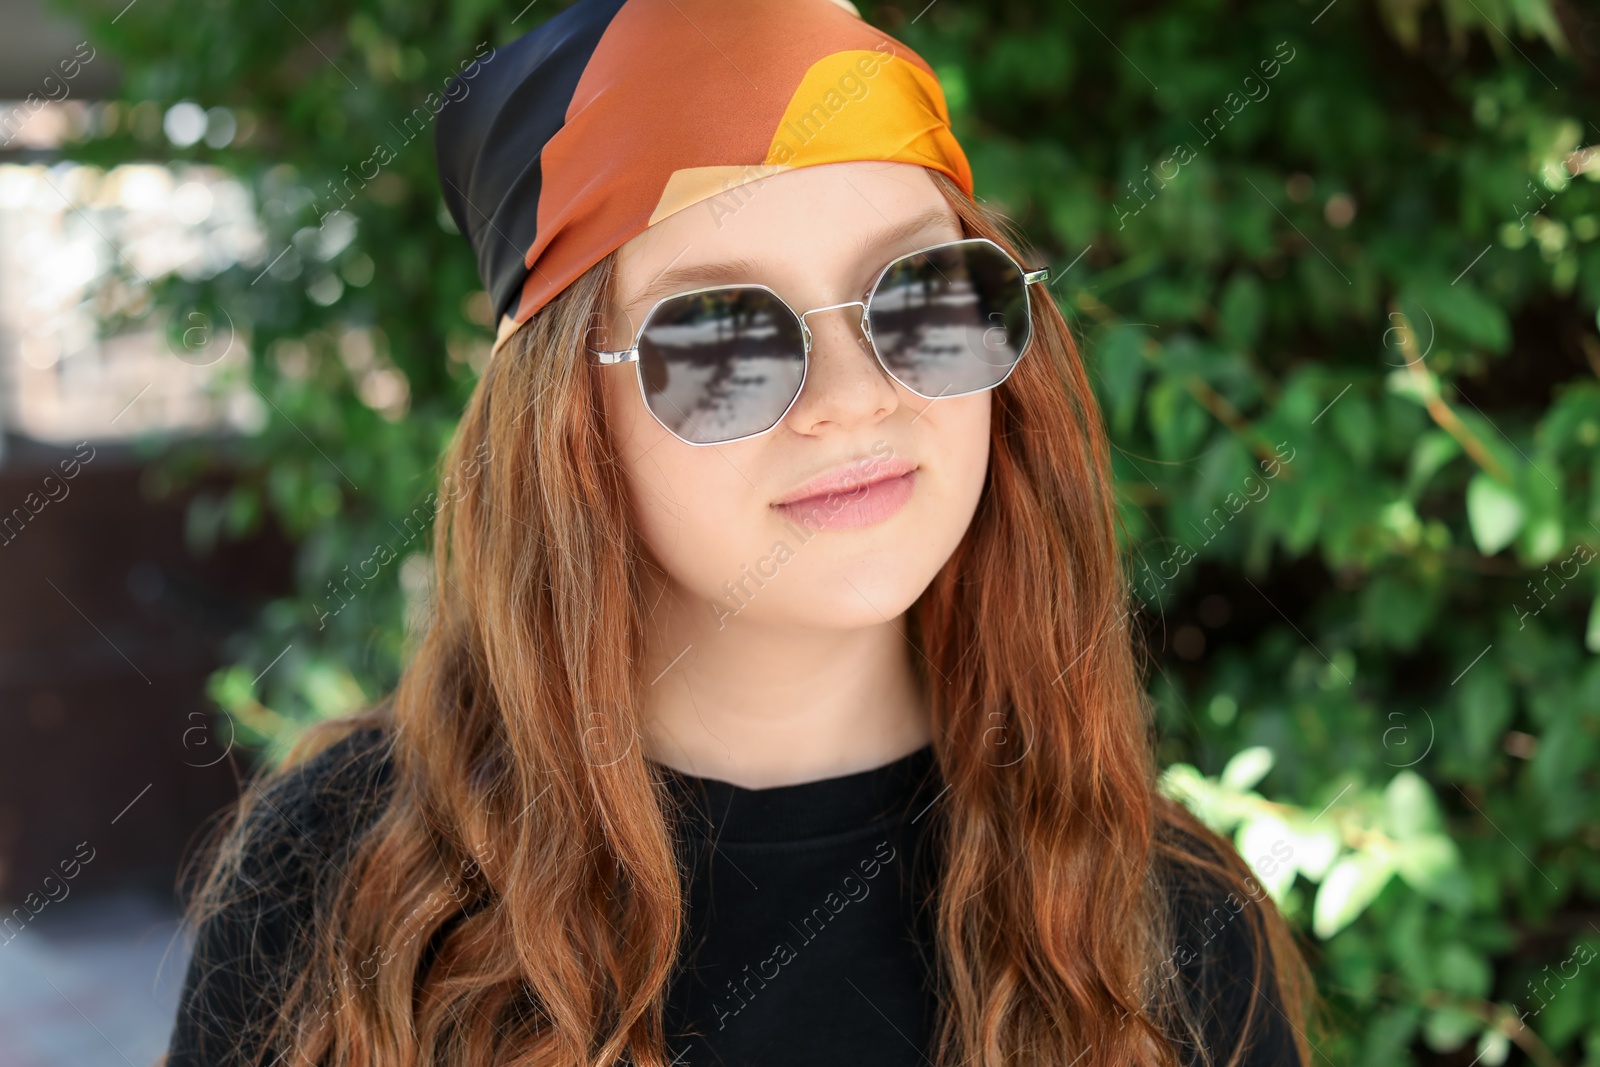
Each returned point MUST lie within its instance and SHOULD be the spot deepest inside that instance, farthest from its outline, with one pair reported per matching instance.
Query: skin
(813, 677)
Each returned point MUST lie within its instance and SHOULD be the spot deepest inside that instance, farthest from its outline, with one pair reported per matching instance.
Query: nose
(844, 383)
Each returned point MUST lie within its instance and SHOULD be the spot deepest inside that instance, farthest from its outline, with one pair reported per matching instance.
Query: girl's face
(722, 520)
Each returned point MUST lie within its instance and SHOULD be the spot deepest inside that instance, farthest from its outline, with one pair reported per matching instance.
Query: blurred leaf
(1493, 1047)
(1495, 512)
(1410, 806)
(1355, 427)
(1445, 1029)
(1265, 843)
(1460, 308)
(1486, 705)
(1121, 371)
(1247, 768)
(1434, 448)
(1396, 611)
(1315, 849)
(1242, 312)
(1431, 864)
(1463, 971)
(1353, 883)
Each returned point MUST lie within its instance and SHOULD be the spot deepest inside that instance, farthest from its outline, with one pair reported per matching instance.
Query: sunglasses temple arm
(626, 355)
(1033, 277)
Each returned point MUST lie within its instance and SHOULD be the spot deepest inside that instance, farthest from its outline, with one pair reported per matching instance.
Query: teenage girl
(778, 704)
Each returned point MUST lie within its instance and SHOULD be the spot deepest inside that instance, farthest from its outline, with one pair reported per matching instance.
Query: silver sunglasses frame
(631, 353)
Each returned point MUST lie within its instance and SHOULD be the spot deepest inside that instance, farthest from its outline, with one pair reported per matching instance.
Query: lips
(857, 494)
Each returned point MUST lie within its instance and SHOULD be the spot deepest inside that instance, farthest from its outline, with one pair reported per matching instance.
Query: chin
(865, 594)
(840, 589)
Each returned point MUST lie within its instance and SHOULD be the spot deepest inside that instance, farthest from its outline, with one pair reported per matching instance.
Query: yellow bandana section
(860, 104)
(867, 104)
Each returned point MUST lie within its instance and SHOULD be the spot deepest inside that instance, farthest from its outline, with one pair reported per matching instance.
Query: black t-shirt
(809, 920)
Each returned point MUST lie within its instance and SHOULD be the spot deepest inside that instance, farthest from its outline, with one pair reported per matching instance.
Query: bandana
(614, 114)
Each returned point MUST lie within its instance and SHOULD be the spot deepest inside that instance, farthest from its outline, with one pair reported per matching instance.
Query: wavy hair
(514, 735)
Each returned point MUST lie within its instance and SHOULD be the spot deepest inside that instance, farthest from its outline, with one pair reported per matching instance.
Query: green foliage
(1335, 270)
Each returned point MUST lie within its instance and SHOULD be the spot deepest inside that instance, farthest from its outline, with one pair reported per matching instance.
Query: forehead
(825, 219)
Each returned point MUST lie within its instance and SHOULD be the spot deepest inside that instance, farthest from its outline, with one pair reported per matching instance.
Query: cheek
(956, 444)
(686, 501)
(963, 441)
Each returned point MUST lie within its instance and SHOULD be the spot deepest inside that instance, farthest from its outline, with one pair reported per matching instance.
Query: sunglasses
(727, 362)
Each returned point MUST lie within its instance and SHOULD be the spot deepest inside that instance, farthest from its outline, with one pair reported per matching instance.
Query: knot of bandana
(613, 114)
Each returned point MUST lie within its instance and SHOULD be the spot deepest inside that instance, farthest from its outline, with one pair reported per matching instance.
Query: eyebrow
(732, 270)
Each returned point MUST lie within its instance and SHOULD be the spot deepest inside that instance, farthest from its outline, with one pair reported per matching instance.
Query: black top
(807, 942)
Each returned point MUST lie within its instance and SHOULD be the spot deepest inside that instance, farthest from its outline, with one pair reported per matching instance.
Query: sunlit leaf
(1266, 843)
(1495, 514)
(1493, 1047)
(1247, 768)
(1410, 806)
(1353, 883)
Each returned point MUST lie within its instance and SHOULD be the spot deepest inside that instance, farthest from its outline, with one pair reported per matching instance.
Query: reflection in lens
(722, 364)
(951, 320)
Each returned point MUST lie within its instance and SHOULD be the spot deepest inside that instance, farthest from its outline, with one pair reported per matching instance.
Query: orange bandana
(615, 114)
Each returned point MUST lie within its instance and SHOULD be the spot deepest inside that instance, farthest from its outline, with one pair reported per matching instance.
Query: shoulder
(298, 823)
(1223, 960)
(325, 793)
(295, 830)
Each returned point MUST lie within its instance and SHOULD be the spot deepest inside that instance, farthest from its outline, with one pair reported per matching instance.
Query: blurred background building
(109, 625)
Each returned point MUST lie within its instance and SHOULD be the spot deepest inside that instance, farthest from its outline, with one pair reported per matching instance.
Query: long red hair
(527, 837)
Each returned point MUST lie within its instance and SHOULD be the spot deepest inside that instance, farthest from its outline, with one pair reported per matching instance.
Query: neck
(764, 704)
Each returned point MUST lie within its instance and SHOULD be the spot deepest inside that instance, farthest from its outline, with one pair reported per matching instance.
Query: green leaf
(1178, 421)
(1591, 638)
(1494, 513)
(1210, 805)
(1431, 864)
(1388, 1035)
(1121, 368)
(1419, 389)
(1315, 849)
(1461, 309)
(1355, 427)
(1396, 612)
(1463, 971)
(1486, 706)
(1447, 1029)
(1571, 1006)
(1434, 448)
(1542, 538)
(230, 687)
(1355, 882)
(1242, 311)
(1400, 519)
(1266, 844)
(1493, 1047)
(1247, 768)
(331, 689)
(1410, 806)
